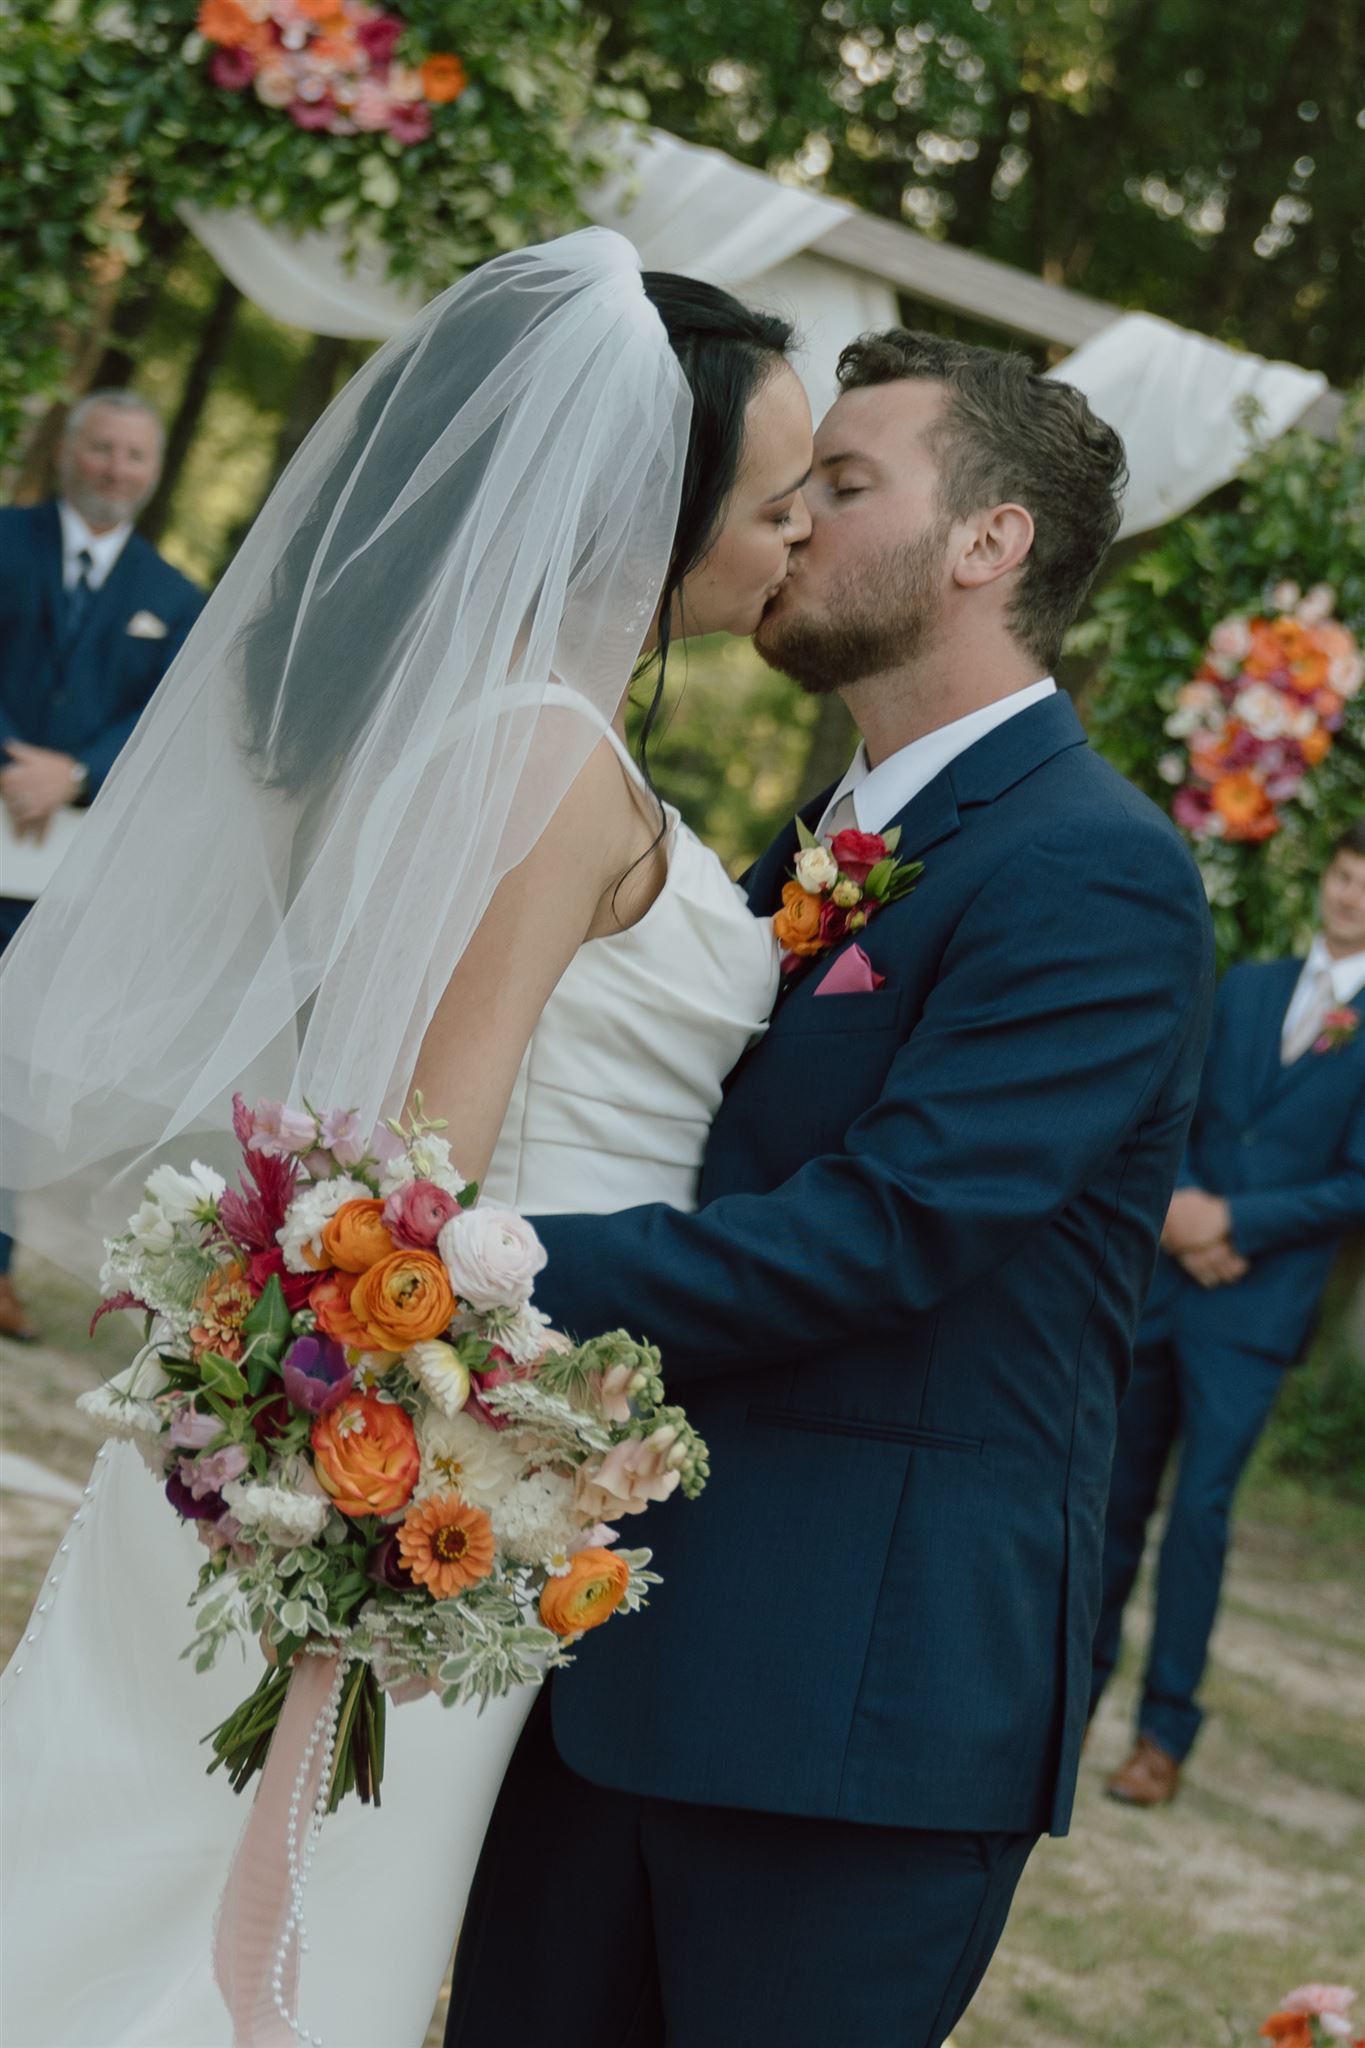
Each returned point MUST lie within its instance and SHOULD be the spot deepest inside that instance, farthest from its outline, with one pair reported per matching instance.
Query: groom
(791, 1807)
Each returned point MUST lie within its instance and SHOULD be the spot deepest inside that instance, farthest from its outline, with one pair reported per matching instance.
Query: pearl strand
(57, 1569)
(324, 1731)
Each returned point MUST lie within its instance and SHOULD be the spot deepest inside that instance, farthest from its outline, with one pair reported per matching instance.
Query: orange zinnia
(223, 21)
(223, 1306)
(444, 78)
(1291, 2029)
(1248, 811)
(587, 1595)
(446, 1545)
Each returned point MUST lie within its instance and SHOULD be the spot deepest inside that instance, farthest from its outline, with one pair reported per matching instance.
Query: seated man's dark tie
(79, 596)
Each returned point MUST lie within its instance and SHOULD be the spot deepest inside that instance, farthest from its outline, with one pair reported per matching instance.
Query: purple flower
(316, 1375)
(386, 1567)
(209, 1509)
(192, 1431)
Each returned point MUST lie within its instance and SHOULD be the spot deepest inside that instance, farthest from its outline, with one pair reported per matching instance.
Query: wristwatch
(80, 780)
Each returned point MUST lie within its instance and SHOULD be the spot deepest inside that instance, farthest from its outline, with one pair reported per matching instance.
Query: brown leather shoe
(1149, 1778)
(14, 1319)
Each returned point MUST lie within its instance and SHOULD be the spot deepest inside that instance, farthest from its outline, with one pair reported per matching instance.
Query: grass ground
(1174, 1929)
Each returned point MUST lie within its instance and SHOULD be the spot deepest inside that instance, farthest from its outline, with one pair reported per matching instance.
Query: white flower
(461, 1455)
(492, 1257)
(1317, 604)
(1285, 596)
(1171, 768)
(185, 1197)
(313, 1206)
(151, 1229)
(124, 1403)
(1345, 674)
(276, 1514)
(427, 1158)
(441, 1373)
(524, 1333)
(816, 869)
(1198, 708)
(1264, 710)
(535, 1518)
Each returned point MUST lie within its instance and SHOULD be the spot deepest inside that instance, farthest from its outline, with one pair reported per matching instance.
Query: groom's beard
(878, 615)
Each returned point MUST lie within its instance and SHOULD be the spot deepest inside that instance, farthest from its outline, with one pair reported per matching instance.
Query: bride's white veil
(354, 745)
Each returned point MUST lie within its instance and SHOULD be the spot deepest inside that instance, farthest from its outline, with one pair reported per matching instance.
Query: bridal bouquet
(1313, 2016)
(388, 1453)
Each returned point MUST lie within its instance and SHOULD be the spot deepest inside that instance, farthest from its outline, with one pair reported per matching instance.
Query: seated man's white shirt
(103, 549)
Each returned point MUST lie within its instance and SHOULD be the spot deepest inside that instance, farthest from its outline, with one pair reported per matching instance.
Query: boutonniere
(1339, 1027)
(838, 885)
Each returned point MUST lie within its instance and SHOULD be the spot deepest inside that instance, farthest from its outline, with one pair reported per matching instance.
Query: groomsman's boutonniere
(838, 886)
(1339, 1027)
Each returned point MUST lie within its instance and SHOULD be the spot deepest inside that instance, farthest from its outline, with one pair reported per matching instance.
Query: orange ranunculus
(356, 1238)
(223, 21)
(444, 78)
(365, 1454)
(336, 49)
(1244, 806)
(1267, 655)
(404, 1299)
(592, 1589)
(327, 13)
(330, 1301)
(797, 923)
(446, 1544)
(1290, 2029)
(225, 1301)
(1316, 745)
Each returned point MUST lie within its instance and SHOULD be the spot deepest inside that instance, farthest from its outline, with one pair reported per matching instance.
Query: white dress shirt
(1324, 984)
(103, 549)
(877, 794)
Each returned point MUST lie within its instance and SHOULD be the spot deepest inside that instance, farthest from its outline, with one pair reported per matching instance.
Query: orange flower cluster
(365, 1454)
(223, 1306)
(447, 1545)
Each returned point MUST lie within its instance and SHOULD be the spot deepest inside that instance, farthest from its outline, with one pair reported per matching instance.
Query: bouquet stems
(241, 1743)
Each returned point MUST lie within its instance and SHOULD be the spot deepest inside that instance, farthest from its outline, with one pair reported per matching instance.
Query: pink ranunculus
(379, 37)
(371, 109)
(409, 123)
(1320, 1999)
(192, 1431)
(629, 1476)
(492, 1257)
(233, 69)
(312, 113)
(1192, 809)
(280, 1131)
(857, 852)
(416, 1213)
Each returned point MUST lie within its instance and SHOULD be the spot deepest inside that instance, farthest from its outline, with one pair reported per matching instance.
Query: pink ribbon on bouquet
(257, 1903)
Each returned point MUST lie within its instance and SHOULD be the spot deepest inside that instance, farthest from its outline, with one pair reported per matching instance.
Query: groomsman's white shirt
(876, 794)
(103, 549)
(1344, 980)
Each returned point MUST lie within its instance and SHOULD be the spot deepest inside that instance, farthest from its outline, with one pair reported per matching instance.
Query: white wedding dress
(116, 1842)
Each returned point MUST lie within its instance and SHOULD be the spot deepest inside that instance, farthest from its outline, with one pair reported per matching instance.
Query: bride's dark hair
(726, 349)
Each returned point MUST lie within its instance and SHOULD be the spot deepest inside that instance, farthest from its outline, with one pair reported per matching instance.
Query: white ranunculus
(464, 1456)
(313, 1206)
(492, 1257)
(276, 1514)
(816, 869)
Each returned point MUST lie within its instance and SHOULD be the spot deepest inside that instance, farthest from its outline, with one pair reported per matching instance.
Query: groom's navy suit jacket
(1285, 1146)
(902, 1319)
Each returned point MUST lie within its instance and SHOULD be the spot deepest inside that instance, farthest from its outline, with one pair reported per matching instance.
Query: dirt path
(1151, 1930)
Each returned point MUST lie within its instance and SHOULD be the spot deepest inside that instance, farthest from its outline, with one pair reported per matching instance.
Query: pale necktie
(842, 818)
(1308, 1025)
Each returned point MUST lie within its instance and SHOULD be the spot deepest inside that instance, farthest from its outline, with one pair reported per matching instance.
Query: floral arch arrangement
(1229, 687)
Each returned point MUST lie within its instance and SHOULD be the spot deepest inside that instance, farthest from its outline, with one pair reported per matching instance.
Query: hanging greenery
(1230, 681)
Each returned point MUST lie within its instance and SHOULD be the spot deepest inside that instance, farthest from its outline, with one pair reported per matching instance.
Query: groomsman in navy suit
(789, 1807)
(91, 617)
(1274, 1174)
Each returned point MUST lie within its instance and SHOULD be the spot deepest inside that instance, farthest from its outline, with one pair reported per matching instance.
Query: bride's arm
(540, 914)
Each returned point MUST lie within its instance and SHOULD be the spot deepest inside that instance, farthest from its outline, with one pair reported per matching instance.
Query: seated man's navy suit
(1285, 1147)
(902, 1319)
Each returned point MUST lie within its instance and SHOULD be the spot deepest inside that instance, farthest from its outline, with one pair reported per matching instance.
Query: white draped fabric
(1175, 397)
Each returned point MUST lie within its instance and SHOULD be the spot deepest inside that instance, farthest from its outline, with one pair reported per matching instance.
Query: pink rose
(858, 852)
(416, 1213)
(629, 1476)
(371, 107)
(410, 123)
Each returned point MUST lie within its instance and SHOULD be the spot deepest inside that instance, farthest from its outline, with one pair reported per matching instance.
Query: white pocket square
(147, 626)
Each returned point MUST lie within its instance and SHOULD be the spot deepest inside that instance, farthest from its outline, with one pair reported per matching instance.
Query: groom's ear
(997, 542)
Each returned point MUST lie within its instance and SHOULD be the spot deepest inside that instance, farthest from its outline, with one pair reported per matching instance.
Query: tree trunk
(162, 242)
(213, 340)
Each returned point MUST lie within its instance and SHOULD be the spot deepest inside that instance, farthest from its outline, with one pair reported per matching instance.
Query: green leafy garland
(1296, 514)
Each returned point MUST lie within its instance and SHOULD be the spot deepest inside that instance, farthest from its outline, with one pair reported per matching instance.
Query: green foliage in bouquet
(1296, 515)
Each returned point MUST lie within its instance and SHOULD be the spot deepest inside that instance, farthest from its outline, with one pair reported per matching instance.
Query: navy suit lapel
(1277, 987)
(765, 878)
(108, 598)
(48, 548)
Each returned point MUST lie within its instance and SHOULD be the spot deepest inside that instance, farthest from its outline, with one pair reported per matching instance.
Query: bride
(380, 829)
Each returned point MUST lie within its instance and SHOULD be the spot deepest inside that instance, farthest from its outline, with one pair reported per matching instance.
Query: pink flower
(1192, 809)
(410, 123)
(232, 69)
(342, 1137)
(416, 1213)
(312, 113)
(613, 1393)
(1231, 639)
(210, 1474)
(379, 38)
(280, 1131)
(192, 1431)
(629, 1476)
(371, 108)
(1320, 2000)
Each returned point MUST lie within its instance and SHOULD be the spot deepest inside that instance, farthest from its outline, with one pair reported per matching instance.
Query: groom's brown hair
(1011, 435)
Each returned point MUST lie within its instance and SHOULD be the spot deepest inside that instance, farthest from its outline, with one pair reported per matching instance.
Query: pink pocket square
(851, 975)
